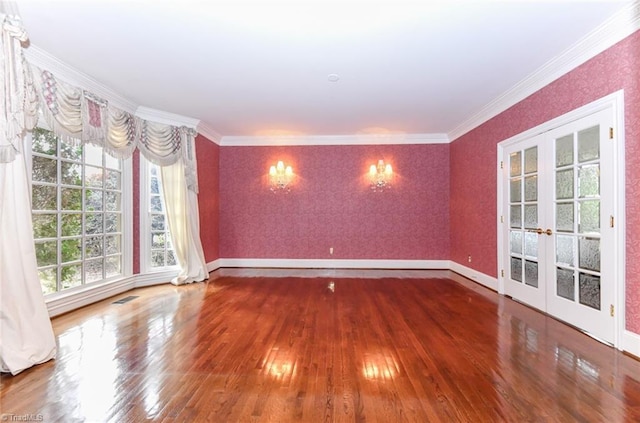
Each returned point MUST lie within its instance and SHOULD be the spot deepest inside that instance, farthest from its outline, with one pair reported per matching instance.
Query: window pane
(71, 198)
(93, 200)
(515, 164)
(93, 223)
(157, 258)
(69, 183)
(156, 204)
(92, 155)
(564, 151)
(45, 225)
(71, 151)
(171, 259)
(93, 247)
(44, 142)
(44, 197)
(589, 144)
(113, 180)
(113, 266)
(111, 162)
(112, 222)
(71, 224)
(93, 270)
(531, 160)
(112, 244)
(71, 276)
(71, 250)
(71, 173)
(47, 253)
(93, 177)
(157, 222)
(45, 170)
(112, 201)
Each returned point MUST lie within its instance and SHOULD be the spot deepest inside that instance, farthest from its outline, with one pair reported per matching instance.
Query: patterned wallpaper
(208, 159)
(473, 159)
(331, 205)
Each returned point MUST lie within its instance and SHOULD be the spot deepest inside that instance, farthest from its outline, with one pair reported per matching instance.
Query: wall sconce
(280, 177)
(380, 176)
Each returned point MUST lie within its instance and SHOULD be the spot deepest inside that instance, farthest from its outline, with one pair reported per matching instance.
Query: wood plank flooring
(273, 349)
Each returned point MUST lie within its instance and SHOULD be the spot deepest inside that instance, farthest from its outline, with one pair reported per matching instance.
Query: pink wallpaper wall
(473, 160)
(208, 158)
(136, 211)
(331, 205)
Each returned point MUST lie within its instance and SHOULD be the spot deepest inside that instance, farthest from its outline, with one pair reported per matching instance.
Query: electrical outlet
(469, 258)
(330, 251)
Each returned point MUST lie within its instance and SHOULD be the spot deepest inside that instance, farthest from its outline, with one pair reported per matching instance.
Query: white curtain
(184, 224)
(26, 335)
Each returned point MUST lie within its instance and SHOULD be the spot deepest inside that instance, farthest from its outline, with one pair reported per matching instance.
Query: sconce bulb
(388, 169)
(272, 171)
(288, 171)
(373, 170)
(280, 166)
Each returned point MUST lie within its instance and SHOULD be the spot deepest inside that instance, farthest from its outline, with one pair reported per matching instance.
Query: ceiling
(257, 67)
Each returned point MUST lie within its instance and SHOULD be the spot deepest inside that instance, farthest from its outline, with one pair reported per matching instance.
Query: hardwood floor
(290, 349)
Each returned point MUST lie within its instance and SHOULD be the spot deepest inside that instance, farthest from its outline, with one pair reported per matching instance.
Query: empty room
(320, 211)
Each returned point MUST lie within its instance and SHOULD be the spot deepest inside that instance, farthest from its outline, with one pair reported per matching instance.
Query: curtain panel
(26, 335)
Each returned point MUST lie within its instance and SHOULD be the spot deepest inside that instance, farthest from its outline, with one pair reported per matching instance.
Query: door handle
(538, 231)
(548, 232)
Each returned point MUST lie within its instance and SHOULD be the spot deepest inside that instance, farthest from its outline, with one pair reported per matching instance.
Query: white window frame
(166, 272)
(126, 230)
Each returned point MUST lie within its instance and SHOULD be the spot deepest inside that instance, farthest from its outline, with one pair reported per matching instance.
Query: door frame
(615, 104)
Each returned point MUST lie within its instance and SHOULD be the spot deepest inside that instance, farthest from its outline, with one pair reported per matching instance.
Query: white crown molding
(40, 58)
(167, 118)
(208, 132)
(360, 139)
(613, 30)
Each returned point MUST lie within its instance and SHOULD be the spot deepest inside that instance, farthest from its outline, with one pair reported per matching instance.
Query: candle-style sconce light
(380, 176)
(280, 177)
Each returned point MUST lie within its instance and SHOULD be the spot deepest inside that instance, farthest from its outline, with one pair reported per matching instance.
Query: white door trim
(614, 102)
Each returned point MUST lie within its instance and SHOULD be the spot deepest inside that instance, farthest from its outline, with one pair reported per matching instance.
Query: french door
(558, 192)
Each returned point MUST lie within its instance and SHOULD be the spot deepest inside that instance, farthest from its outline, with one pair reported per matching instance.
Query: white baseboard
(334, 264)
(631, 343)
(481, 278)
(213, 265)
(68, 301)
(157, 278)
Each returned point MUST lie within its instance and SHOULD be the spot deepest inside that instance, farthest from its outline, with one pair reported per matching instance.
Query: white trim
(481, 278)
(90, 294)
(208, 132)
(630, 343)
(362, 139)
(614, 102)
(213, 265)
(159, 116)
(619, 207)
(334, 264)
(613, 30)
(155, 278)
(65, 72)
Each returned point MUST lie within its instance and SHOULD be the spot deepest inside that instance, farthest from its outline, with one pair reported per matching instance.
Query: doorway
(559, 242)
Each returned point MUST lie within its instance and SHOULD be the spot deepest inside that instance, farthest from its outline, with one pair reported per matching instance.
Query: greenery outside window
(77, 212)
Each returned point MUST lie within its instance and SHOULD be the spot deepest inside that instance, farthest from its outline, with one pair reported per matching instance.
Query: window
(76, 211)
(158, 251)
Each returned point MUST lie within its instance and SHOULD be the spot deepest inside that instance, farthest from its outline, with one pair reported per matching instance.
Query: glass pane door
(524, 226)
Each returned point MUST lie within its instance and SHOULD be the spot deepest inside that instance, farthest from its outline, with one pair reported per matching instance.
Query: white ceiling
(261, 67)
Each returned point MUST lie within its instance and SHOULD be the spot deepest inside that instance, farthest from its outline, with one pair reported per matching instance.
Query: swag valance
(76, 115)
